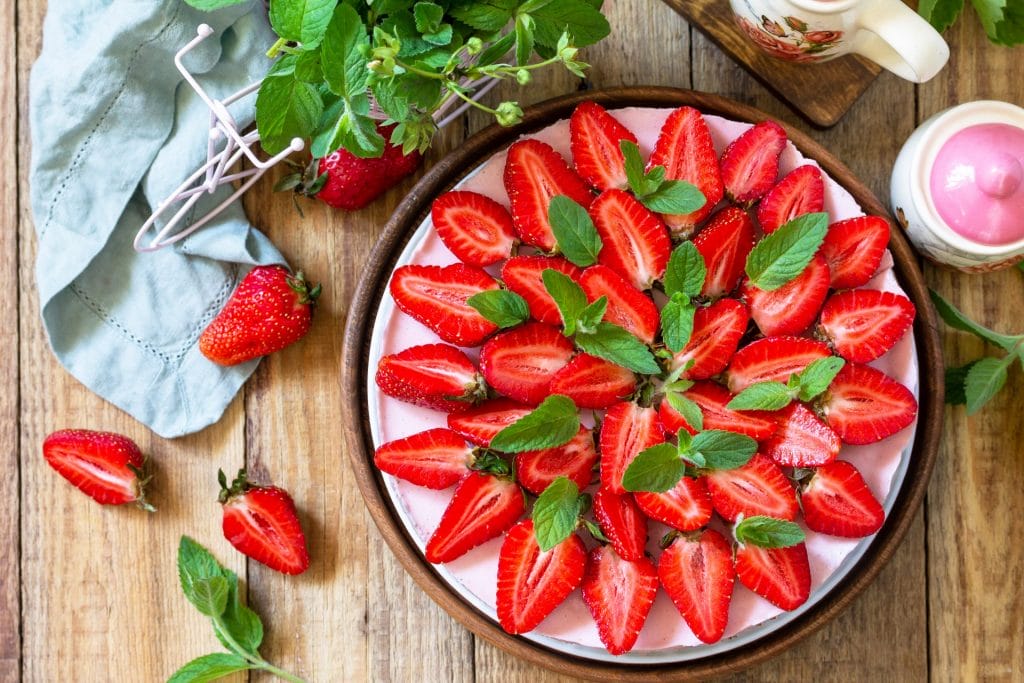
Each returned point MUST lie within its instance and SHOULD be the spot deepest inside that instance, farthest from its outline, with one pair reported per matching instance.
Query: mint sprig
(501, 307)
(574, 231)
(653, 191)
(660, 467)
(553, 423)
(556, 514)
(780, 257)
(806, 385)
(768, 532)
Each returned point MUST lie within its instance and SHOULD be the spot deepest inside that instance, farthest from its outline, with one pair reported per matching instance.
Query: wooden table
(91, 594)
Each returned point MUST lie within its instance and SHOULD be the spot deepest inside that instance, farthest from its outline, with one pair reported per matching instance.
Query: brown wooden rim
(372, 286)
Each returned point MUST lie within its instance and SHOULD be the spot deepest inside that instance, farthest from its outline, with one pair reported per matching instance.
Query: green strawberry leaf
(984, 380)
(685, 272)
(722, 450)
(501, 307)
(574, 231)
(553, 423)
(762, 396)
(556, 513)
(783, 255)
(568, 296)
(768, 532)
(615, 344)
(817, 376)
(677, 322)
(656, 469)
(209, 668)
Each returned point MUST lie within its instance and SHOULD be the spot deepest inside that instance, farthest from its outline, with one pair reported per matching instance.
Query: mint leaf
(655, 469)
(553, 423)
(674, 197)
(568, 296)
(817, 376)
(579, 19)
(991, 14)
(636, 176)
(984, 380)
(210, 5)
(762, 396)
(196, 566)
(210, 595)
(685, 271)
(677, 322)
(781, 256)
(428, 16)
(615, 344)
(209, 668)
(556, 513)
(286, 108)
(524, 39)
(689, 410)
(574, 231)
(955, 379)
(722, 450)
(768, 532)
(242, 623)
(501, 307)
(958, 321)
(301, 21)
(342, 59)
(940, 13)
(592, 315)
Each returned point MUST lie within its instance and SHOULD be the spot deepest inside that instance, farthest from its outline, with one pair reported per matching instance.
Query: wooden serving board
(822, 93)
(355, 364)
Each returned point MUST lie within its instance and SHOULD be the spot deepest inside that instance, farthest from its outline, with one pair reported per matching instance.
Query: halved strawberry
(534, 174)
(802, 191)
(437, 458)
(717, 330)
(532, 583)
(864, 405)
(622, 523)
(802, 440)
(524, 276)
(105, 466)
(474, 227)
(782, 576)
(725, 242)
(483, 507)
(482, 422)
(435, 376)
(636, 243)
(772, 359)
(854, 249)
(593, 382)
(837, 501)
(520, 362)
(261, 522)
(794, 306)
(697, 573)
(627, 429)
(619, 594)
(436, 297)
(757, 488)
(712, 398)
(863, 324)
(687, 152)
(750, 163)
(684, 507)
(594, 136)
(628, 307)
(535, 470)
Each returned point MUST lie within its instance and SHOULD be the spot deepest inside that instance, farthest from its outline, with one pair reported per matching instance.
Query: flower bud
(523, 77)
(509, 113)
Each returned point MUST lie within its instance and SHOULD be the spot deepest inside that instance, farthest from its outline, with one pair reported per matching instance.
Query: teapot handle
(900, 40)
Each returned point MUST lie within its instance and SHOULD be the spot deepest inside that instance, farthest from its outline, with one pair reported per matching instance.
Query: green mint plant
(1003, 20)
(660, 467)
(806, 386)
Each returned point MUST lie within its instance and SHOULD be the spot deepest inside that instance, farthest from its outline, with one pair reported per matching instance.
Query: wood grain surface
(90, 595)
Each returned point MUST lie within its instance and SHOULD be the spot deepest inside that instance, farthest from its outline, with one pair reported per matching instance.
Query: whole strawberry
(107, 467)
(270, 310)
(261, 523)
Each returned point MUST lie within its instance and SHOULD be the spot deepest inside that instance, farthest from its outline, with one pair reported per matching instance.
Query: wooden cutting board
(822, 93)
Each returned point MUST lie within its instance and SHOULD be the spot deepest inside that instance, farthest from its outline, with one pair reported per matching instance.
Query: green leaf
(984, 380)
(209, 668)
(634, 166)
(568, 296)
(955, 379)
(615, 344)
(781, 256)
(497, 50)
(677, 322)
(581, 20)
(307, 67)
(301, 21)
(762, 396)
(210, 595)
(686, 271)
(674, 197)
(656, 469)
(196, 566)
(592, 315)
(211, 5)
(553, 423)
(501, 307)
(959, 321)
(428, 16)
(556, 513)
(991, 14)
(342, 59)
(817, 376)
(286, 108)
(687, 408)
(488, 16)
(768, 532)
(442, 36)
(574, 231)
(940, 13)
(242, 623)
(524, 39)
(724, 450)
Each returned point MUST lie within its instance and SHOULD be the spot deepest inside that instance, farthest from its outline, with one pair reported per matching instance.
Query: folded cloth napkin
(114, 130)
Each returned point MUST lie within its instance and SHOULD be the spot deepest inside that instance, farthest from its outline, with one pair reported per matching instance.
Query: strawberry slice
(725, 242)
(481, 423)
(712, 398)
(863, 324)
(434, 376)
(532, 583)
(864, 405)
(520, 362)
(782, 576)
(750, 163)
(802, 191)
(757, 488)
(619, 594)
(794, 306)
(593, 382)
(594, 136)
(684, 507)
(483, 507)
(636, 243)
(261, 522)
(837, 501)
(477, 229)
(436, 297)
(627, 429)
(622, 523)
(687, 152)
(854, 249)
(717, 330)
(437, 458)
(697, 573)
(535, 470)
(534, 174)
(628, 307)
(103, 465)
(524, 276)
(773, 359)
(802, 440)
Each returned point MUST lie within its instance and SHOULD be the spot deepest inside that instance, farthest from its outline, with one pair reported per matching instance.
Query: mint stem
(253, 658)
(277, 47)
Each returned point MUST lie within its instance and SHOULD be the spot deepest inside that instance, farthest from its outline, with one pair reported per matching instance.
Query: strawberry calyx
(476, 392)
(239, 485)
(490, 462)
(307, 295)
(143, 477)
(307, 182)
(670, 537)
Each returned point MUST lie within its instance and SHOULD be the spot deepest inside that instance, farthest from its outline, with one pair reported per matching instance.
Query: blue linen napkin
(114, 130)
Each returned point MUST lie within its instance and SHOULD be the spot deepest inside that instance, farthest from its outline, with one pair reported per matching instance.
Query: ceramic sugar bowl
(958, 186)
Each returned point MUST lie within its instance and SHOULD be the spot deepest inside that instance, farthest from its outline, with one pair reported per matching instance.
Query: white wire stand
(226, 149)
